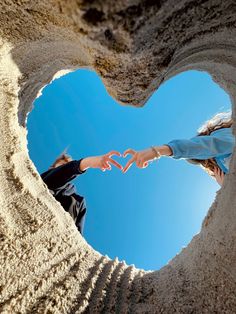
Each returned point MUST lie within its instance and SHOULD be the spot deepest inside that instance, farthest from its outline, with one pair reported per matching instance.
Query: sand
(46, 266)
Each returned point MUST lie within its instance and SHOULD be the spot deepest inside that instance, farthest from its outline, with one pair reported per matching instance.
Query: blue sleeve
(218, 143)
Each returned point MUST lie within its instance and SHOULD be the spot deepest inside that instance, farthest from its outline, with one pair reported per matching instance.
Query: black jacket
(58, 182)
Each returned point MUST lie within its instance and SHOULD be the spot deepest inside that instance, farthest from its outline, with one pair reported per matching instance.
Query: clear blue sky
(144, 216)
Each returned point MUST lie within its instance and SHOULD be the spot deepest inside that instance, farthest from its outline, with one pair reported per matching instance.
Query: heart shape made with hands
(108, 161)
(141, 159)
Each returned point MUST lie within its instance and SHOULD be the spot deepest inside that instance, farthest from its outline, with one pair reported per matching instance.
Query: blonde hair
(63, 157)
(219, 121)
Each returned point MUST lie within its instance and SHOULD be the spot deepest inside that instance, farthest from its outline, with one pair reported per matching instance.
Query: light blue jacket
(218, 145)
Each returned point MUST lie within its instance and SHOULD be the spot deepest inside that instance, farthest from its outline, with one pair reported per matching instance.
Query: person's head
(61, 160)
(219, 121)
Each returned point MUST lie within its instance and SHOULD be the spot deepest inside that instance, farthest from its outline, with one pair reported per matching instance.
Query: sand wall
(46, 266)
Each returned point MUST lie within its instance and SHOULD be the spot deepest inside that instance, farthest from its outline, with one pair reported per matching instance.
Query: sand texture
(134, 45)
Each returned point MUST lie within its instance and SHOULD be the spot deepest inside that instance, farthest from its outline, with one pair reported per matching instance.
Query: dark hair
(63, 157)
(219, 121)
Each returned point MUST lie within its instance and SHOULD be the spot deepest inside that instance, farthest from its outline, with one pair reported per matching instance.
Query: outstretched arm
(218, 143)
(59, 176)
(142, 158)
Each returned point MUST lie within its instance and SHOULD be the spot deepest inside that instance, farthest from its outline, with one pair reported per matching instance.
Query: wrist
(163, 150)
(155, 152)
(84, 164)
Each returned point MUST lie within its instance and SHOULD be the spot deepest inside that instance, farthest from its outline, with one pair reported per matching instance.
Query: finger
(108, 167)
(145, 165)
(139, 164)
(115, 163)
(113, 152)
(128, 165)
(129, 151)
(105, 165)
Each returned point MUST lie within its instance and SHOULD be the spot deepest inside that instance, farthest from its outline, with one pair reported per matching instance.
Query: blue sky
(147, 215)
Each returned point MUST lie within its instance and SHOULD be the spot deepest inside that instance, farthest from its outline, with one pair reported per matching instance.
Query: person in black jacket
(64, 170)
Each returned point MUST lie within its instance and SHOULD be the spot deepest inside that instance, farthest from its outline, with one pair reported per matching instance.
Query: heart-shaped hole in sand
(144, 216)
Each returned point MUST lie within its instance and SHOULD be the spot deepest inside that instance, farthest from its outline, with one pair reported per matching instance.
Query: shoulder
(223, 131)
(44, 174)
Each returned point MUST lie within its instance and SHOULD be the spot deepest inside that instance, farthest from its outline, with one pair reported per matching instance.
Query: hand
(101, 162)
(219, 175)
(140, 158)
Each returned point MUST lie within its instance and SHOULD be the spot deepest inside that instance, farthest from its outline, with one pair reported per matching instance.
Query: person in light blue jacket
(211, 148)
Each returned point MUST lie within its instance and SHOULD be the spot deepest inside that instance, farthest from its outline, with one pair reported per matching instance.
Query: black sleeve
(59, 176)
